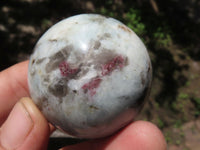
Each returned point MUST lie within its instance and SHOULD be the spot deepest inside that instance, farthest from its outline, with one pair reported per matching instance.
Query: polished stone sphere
(89, 75)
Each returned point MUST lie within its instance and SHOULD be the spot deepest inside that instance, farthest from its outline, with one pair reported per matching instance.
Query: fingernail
(16, 128)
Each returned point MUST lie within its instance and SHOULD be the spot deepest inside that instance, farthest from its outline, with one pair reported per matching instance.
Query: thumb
(25, 128)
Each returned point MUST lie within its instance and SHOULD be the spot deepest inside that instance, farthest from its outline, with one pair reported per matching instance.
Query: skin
(24, 127)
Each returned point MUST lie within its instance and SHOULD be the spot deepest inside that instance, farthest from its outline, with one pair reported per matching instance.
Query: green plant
(183, 96)
(178, 142)
(178, 124)
(173, 105)
(188, 83)
(197, 103)
(106, 12)
(197, 100)
(145, 119)
(46, 23)
(182, 134)
(133, 21)
(168, 138)
(160, 123)
(157, 105)
(109, 2)
(162, 37)
(197, 113)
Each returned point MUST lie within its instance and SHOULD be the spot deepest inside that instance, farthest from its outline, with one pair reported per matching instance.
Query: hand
(23, 127)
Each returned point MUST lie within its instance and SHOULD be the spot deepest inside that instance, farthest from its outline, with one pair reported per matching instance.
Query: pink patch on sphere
(91, 86)
(116, 63)
(66, 70)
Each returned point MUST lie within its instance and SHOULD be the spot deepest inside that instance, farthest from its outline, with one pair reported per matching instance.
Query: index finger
(139, 135)
(14, 86)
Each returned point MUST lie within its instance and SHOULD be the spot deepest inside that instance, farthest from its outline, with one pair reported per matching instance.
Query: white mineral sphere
(89, 75)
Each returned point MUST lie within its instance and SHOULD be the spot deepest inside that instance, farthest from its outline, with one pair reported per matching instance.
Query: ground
(179, 119)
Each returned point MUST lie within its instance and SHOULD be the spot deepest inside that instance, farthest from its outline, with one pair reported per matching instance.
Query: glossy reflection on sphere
(89, 75)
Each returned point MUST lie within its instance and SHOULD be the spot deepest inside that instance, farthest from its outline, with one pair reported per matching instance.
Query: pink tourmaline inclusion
(92, 85)
(66, 70)
(116, 63)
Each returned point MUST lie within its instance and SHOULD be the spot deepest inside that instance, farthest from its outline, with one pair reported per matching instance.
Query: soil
(179, 119)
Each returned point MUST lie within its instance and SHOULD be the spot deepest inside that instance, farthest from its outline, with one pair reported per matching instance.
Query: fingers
(25, 128)
(14, 86)
(139, 135)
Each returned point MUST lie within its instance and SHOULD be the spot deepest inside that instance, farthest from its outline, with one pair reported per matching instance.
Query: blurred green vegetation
(170, 30)
(133, 21)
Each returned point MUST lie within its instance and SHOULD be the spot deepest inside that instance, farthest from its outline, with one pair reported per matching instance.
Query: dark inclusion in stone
(58, 57)
(59, 89)
(66, 70)
(97, 44)
(54, 61)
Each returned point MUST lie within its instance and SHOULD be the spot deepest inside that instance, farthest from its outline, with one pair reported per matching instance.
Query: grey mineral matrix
(89, 75)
